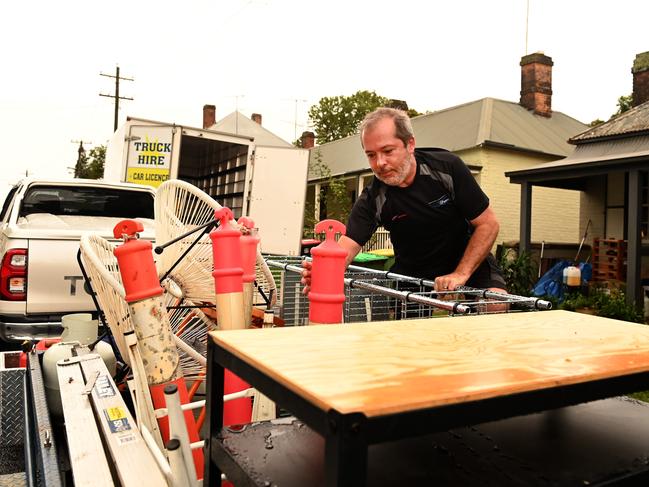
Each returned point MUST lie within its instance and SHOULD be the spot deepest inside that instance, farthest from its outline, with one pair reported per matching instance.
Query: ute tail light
(13, 275)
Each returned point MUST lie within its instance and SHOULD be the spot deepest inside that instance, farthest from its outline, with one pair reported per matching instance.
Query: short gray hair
(403, 127)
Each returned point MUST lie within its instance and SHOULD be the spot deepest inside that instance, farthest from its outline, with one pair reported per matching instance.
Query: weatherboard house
(493, 137)
(608, 167)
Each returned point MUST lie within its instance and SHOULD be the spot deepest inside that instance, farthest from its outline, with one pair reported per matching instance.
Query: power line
(116, 95)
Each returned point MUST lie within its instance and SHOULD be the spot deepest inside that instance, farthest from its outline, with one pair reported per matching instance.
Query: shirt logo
(439, 202)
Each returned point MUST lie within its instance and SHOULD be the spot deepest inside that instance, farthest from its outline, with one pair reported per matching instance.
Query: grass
(640, 396)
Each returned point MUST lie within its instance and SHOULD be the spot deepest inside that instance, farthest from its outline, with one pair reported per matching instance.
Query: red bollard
(151, 325)
(249, 249)
(249, 243)
(136, 266)
(228, 282)
(327, 293)
(228, 272)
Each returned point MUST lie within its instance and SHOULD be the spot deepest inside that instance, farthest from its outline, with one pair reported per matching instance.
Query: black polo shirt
(429, 220)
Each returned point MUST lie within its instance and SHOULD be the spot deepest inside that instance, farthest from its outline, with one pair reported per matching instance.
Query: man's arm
(351, 247)
(485, 231)
(346, 243)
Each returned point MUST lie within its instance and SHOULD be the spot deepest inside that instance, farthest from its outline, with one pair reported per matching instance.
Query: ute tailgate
(54, 279)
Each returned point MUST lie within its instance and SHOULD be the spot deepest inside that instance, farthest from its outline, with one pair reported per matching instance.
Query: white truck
(41, 222)
(265, 183)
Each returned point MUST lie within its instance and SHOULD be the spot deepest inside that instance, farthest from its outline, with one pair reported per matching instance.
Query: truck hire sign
(149, 155)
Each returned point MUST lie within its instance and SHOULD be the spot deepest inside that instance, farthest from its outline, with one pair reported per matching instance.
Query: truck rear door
(277, 197)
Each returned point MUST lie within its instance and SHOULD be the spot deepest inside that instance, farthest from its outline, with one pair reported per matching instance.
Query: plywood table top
(398, 366)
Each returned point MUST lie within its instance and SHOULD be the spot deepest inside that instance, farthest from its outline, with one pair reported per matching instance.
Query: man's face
(390, 160)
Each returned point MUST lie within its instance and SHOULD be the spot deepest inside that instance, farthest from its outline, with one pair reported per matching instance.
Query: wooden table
(360, 384)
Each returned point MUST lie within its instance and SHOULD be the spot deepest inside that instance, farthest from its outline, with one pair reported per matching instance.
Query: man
(440, 221)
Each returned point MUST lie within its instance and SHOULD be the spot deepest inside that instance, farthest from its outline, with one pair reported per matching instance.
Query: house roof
(488, 121)
(619, 144)
(497, 121)
(597, 157)
(237, 123)
(633, 121)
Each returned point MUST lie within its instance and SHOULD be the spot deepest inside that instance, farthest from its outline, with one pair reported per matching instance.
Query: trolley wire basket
(373, 295)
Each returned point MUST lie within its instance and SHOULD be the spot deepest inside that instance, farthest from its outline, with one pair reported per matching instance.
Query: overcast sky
(279, 57)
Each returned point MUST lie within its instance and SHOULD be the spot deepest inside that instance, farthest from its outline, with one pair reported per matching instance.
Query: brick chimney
(209, 116)
(640, 72)
(256, 117)
(536, 83)
(307, 140)
(398, 104)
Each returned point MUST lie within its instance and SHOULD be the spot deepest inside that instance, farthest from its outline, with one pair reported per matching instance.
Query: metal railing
(372, 295)
(380, 240)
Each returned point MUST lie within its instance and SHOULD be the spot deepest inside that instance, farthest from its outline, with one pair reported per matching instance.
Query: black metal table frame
(348, 436)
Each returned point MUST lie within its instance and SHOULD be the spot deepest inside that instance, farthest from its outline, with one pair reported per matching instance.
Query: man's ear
(411, 145)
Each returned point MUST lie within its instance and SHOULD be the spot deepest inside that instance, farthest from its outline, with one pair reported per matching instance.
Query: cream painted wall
(555, 212)
(592, 206)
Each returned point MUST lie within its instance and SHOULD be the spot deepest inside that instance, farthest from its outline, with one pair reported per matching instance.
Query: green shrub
(609, 303)
(518, 271)
(576, 301)
(613, 305)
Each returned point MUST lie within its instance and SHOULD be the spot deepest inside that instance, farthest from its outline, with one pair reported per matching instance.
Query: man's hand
(450, 281)
(346, 243)
(306, 276)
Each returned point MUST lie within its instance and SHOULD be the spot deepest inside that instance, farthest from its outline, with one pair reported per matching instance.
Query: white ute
(41, 222)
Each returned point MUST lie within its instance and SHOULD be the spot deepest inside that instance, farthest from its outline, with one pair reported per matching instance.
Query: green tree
(413, 113)
(91, 166)
(624, 103)
(336, 117)
(596, 122)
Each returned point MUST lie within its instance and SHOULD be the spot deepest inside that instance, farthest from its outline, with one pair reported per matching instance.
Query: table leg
(345, 451)
(213, 415)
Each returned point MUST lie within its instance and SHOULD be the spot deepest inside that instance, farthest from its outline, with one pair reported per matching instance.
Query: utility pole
(116, 95)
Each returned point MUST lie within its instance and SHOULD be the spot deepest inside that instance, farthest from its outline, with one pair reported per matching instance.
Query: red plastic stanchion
(249, 249)
(327, 293)
(228, 281)
(135, 260)
(226, 253)
(249, 242)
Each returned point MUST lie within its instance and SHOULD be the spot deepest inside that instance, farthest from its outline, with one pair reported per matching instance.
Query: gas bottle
(572, 276)
(78, 328)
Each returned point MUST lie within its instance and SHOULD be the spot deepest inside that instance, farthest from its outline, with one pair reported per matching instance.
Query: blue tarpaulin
(551, 283)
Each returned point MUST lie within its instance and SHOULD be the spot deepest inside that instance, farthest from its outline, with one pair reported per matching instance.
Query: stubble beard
(396, 178)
